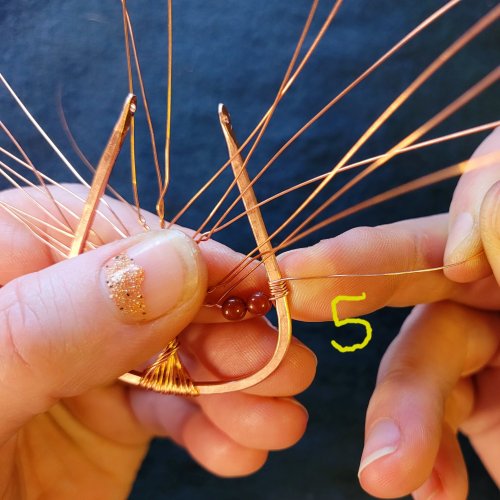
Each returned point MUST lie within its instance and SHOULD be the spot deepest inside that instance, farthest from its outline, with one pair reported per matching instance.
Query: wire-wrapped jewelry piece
(167, 374)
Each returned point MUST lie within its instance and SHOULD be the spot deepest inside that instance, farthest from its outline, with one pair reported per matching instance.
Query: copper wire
(146, 110)
(436, 15)
(90, 167)
(470, 34)
(166, 180)
(61, 187)
(252, 134)
(413, 147)
(270, 112)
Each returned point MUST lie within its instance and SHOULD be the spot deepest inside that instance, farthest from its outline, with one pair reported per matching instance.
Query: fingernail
(151, 277)
(383, 439)
(461, 234)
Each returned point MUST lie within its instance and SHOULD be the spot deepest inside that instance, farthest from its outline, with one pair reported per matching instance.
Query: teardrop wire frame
(162, 376)
(254, 207)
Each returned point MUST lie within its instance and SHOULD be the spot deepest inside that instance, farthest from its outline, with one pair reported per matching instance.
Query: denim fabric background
(236, 52)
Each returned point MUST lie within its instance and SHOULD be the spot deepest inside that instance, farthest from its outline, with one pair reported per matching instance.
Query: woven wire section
(278, 289)
(167, 374)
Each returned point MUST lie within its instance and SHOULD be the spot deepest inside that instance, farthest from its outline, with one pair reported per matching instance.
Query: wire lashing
(278, 289)
(167, 375)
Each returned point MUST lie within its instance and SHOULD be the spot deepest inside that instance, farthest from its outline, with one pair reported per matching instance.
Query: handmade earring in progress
(167, 374)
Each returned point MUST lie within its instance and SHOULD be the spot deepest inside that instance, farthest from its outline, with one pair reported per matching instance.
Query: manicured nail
(461, 235)
(151, 277)
(383, 439)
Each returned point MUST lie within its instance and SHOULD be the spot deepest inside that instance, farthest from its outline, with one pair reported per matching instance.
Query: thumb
(463, 249)
(490, 234)
(85, 321)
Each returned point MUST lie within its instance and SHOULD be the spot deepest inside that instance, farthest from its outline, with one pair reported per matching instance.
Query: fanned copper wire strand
(149, 120)
(42, 223)
(166, 178)
(252, 134)
(130, 78)
(265, 118)
(428, 180)
(424, 24)
(41, 227)
(33, 230)
(32, 168)
(62, 187)
(40, 130)
(427, 22)
(56, 228)
(90, 167)
(4, 168)
(414, 147)
(68, 232)
(271, 110)
(470, 34)
(37, 126)
(421, 182)
(378, 275)
(26, 193)
(487, 81)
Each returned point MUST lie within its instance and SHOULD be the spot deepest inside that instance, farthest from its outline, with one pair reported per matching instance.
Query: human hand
(66, 427)
(442, 372)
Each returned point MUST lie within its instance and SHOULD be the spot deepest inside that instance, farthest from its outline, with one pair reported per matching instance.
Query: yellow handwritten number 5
(350, 321)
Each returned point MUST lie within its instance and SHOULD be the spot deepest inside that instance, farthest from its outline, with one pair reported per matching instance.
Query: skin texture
(441, 374)
(68, 429)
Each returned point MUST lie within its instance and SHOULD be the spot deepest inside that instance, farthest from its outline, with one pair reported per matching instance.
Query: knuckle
(22, 313)
(17, 320)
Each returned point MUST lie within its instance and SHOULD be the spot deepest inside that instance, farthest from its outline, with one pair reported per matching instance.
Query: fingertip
(383, 439)
(293, 376)
(449, 475)
(161, 414)
(218, 453)
(257, 422)
(380, 467)
(490, 233)
(464, 259)
(402, 440)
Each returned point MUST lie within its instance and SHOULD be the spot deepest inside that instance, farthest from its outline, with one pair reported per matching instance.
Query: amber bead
(234, 308)
(259, 304)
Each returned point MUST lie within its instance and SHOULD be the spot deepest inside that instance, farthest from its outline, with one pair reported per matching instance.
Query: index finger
(405, 247)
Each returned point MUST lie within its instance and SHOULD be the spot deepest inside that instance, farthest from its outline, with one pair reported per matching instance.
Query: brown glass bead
(259, 304)
(234, 308)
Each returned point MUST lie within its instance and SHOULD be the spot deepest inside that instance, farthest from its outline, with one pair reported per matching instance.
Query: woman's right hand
(441, 374)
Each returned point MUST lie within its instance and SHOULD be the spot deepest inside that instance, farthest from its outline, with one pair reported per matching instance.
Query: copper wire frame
(166, 374)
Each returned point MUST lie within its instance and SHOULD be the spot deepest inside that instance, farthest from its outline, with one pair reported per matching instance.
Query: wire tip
(224, 115)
